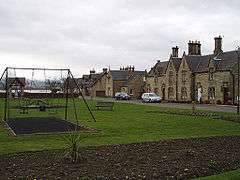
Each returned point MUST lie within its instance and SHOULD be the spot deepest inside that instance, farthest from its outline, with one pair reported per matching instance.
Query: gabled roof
(134, 76)
(119, 74)
(198, 63)
(124, 74)
(227, 60)
(141, 73)
(176, 62)
(98, 78)
(159, 68)
(223, 61)
(94, 76)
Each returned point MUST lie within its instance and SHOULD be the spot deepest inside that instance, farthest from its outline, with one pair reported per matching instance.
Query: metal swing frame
(69, 76)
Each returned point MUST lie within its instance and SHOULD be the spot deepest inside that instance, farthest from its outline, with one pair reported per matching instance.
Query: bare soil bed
(177, 159)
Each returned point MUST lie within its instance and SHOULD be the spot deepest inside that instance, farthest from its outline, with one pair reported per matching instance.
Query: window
(109, 91)
(170, 93)
(155, 80)
(210, 74)
(184, 76)
(148, 88)
(184, 93)
(170, 77)
(211, 93)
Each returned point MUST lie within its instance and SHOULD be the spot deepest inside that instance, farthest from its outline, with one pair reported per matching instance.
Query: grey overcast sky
(86, 34)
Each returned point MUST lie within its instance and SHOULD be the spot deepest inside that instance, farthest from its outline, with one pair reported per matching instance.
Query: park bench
(104, 105)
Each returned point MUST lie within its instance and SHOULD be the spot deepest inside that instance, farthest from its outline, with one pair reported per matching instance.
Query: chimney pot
(218, 45)
(175, 51)
(194, 48)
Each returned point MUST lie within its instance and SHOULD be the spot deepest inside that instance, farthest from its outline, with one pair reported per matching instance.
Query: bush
(73, 144)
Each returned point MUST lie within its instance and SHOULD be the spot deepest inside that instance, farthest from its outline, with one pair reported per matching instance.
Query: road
(208, 107)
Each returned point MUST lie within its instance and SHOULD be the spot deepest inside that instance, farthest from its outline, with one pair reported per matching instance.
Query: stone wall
(109, 85)
(157, 85)
(99, 85)
(171, 83)
(135, 87)
(117, 85)
(184, 88)
(222, 82)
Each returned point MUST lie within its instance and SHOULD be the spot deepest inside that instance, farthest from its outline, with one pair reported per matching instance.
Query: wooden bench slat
(104, 104)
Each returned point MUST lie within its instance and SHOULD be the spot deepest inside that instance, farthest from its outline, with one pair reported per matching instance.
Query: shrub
(73, 144)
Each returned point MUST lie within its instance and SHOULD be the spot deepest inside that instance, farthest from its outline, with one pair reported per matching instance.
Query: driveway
(209, 107)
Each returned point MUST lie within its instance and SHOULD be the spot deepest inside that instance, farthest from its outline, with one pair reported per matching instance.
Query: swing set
(41, 93)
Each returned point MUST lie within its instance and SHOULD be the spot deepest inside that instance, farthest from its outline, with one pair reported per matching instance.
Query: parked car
(122, 96)
(150, 97)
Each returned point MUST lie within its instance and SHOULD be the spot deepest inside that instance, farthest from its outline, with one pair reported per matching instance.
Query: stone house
(98, 87)
(16, 86)
(171, 79)
(208, 78)
(87, 80)
(124, 80)
(155, 80)
(134, 85)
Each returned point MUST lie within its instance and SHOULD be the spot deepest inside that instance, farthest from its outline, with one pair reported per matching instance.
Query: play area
(44, 113)
(39, 101)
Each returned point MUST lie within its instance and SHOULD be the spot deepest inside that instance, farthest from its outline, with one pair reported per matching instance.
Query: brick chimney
(175, 51)
(194, 48)
(218, 45)
(105, 70)
(92, 71)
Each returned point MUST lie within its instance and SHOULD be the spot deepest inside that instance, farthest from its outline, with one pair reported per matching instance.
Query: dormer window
(211, 70)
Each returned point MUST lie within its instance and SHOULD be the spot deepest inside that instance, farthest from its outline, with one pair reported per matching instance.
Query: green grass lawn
(128, 123)
(231, 175)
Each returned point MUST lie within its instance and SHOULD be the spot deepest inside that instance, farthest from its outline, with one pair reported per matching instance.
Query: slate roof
(119, 74)
(98, 78)
(223, 61)
(94, 76)
(198, 63)
(176, 62)
(124, 74)
(141, 73)
(159, 68)
(227, 60)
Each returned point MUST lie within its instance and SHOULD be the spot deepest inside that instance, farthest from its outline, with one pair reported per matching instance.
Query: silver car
(150, 97)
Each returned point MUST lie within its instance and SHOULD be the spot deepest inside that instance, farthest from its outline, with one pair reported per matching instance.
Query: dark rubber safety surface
(32, 125)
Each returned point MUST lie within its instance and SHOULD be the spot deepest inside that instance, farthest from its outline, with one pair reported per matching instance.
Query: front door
(225, 95)
(163, 93)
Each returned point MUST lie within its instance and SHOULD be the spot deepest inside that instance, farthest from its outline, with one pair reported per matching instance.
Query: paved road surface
(209, 107)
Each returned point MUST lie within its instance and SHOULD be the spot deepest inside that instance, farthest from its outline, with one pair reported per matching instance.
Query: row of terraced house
(210, 78)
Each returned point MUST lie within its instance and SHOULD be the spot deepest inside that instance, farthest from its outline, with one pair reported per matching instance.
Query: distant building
(16, 86)
(123, 80)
